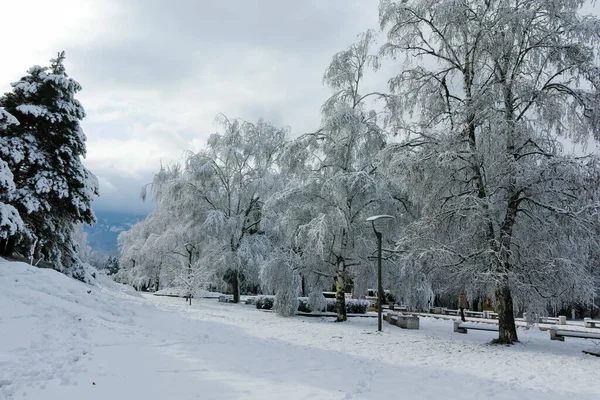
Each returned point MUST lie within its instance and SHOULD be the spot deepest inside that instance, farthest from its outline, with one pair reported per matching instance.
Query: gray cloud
(155, 82)
(121, 193)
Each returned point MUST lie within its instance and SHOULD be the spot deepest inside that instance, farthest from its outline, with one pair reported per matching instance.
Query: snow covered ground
(61, 339)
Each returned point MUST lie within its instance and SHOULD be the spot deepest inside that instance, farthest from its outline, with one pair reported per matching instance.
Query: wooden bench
(591, 323)
(462, 327)
(556, 334)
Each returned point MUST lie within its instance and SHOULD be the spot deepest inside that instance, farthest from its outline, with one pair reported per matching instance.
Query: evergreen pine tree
(112, 265)
(54, 190)
(10, 220)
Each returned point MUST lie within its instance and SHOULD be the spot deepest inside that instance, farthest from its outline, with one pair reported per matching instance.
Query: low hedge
(353, 306)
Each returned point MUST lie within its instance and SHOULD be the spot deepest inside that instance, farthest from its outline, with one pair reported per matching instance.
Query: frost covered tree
(218, 195)
(143, 261)
(10, 220)
(337, 184)
(489, 93)
(54, 191)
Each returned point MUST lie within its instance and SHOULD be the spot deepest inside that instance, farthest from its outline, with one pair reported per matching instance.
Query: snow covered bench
(475, 314)
(556, 334)
(372, 300)
(403, 321)
(226, 299)
(395, 307)
(490, 315)
(591, 323)
(447, 311)
(461, 327)
(560, 320)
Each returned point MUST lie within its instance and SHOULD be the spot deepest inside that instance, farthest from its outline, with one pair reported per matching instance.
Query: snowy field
(61, 339)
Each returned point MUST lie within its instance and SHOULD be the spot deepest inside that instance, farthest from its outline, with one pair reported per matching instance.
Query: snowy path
(60, 342)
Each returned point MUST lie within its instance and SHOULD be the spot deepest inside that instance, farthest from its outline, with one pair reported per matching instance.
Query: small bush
(264, 302)
(355, 306)
(388, 298)
(303, 304)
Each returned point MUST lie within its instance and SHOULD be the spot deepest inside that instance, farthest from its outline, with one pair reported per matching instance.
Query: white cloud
(36, 30)
(138, 152)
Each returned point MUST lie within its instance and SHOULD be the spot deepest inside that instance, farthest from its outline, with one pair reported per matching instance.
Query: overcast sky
(155, 73)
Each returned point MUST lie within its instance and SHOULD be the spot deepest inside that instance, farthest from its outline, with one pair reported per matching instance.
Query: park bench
(475, 314)
(591, 323)
(560, 320)
(226, 298)
(556, 334)
(372, 300)
(447, 311)
(403, 321)
(462, 327)
(393, 307)
(490, 315)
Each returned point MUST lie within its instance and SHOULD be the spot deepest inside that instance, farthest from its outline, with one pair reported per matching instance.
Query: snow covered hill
(62, 339)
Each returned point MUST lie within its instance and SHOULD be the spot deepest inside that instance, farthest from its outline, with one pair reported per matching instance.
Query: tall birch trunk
(340, 297)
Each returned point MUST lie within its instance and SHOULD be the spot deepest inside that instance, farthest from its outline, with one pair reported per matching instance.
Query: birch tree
(341, 186)
(220, 192)
(488, 93)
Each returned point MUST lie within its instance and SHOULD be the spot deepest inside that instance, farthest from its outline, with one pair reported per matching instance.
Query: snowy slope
(57, 341)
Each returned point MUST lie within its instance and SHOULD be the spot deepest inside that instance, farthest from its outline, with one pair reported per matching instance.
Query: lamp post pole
(379, 236)
(379, 283)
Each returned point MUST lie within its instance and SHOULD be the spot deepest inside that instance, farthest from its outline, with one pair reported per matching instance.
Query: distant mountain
(103, 235)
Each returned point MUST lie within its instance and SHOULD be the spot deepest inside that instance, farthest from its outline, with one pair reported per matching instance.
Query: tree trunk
(303, 287)
(7, 246)
(340, 298)
(507, 330)
(235, 287)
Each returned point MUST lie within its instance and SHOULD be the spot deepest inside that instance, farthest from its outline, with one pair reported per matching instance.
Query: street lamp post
(379, 283)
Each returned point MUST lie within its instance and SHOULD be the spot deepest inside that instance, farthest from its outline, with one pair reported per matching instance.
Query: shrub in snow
(83, 272)
(265, 302)
(389, 298)
(303, 304)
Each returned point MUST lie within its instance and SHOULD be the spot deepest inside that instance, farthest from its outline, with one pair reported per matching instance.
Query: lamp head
(376, 217)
